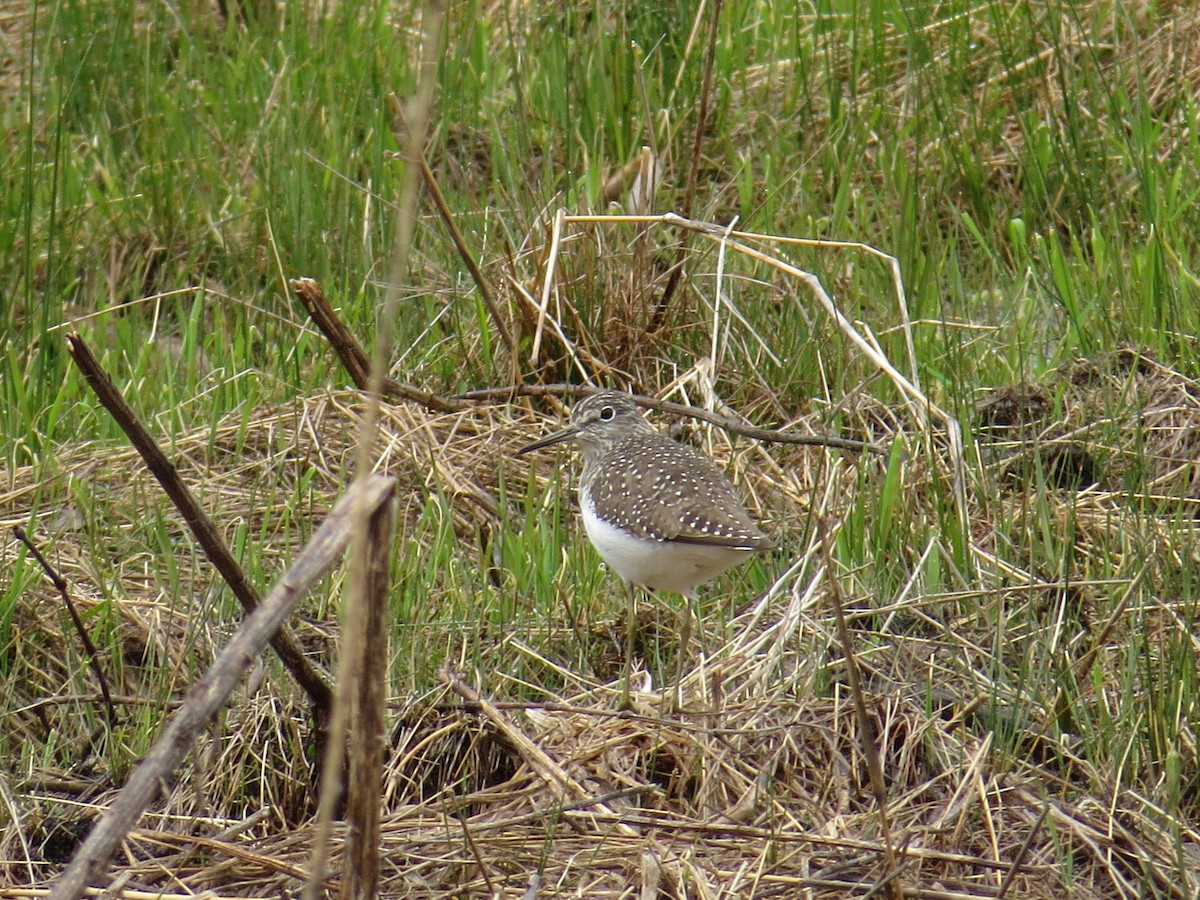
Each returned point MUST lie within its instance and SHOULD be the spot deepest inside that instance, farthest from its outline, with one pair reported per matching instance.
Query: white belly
(662, 565)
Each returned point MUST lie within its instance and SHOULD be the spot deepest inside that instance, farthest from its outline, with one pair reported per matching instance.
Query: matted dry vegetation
(756, 785)
(751, 781)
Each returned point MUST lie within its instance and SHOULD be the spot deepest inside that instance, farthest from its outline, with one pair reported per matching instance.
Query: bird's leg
(630, 636)
(685, 641)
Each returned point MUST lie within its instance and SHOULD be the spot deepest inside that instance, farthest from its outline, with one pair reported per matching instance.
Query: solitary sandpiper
(657, 511)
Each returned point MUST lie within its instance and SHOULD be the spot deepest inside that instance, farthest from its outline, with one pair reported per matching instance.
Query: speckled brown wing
(680, 496)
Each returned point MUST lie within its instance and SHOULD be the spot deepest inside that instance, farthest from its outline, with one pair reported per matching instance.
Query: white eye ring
(607, 413)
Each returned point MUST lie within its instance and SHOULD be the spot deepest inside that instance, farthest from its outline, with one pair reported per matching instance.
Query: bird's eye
(607, 412)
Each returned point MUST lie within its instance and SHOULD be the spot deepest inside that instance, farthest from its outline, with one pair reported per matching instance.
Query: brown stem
(93, 654)
(368, 699)
(869, 740)
(767, 435)
(284, 642)
(658, 317)
(206, 697)
(351, 354)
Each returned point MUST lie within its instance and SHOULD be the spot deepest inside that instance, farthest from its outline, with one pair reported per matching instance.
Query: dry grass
(755, 784)
(1121, 420)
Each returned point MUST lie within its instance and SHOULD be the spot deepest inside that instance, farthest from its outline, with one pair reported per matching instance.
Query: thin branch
(351, 353)
(540, 763)
(93, 654)
(356, 588)
(217, 552)
(367, 752)
(209, 694)
(869, 743)
(464, 252)
(766, 435)
(689, 194)
(460, 244)
(1022, 852)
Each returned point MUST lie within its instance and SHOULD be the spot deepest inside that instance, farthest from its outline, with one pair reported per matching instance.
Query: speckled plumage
(659, 512)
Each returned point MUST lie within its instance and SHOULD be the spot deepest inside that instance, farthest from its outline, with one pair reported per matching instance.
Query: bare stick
(284, 643)
(766, 435)
(360, 869)
(689, 195)
(869, 741)
(93, 654)
(539, 762)
(208, 694)
(464, 252)
(460, 244)
(353, 607)
(351, 353)
(1022, 852)
(1082, 668)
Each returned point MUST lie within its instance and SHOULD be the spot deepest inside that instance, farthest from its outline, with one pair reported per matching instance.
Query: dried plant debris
(1119, 420)
(750, 782)
(1015, 406)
